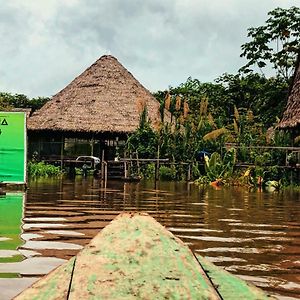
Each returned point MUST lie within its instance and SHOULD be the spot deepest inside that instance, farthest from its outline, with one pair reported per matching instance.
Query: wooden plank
(136, 257)
(54, 286)
(229, 286)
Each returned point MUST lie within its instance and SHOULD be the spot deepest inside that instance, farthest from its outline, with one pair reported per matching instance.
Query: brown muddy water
(252, 234)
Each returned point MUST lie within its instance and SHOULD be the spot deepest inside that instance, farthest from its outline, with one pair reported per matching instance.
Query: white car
(93, 160)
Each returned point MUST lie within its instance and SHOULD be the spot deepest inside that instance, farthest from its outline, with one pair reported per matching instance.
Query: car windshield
(95, 159)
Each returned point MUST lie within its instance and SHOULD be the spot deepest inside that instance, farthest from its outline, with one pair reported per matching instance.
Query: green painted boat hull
(135, 257)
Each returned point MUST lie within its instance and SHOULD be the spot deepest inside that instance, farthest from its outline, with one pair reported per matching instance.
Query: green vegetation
(276, 43)
(9, 101)
(40, 169)
(238, 112)
(144, 140)
(167, 173)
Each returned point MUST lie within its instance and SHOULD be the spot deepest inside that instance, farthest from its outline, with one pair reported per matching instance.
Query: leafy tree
(9, 101)
(277, 42)
(37, 103)
(192, 92)
(265, 97)
(144, 140)
(4, 104)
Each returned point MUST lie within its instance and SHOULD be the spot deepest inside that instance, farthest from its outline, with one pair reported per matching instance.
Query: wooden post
(102, 171)
(125, 170)
(138, 164)
(105, 171)
(131, 164)
(102, 156)
(92, 146)
(62, 152)
(189, 172)
(157, 165)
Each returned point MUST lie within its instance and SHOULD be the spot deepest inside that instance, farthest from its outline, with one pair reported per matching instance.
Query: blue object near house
(201, 154)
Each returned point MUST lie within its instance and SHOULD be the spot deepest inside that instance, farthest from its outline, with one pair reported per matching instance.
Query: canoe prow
(135, 257)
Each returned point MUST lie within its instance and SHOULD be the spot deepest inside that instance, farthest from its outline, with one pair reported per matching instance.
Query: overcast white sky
(46, 44)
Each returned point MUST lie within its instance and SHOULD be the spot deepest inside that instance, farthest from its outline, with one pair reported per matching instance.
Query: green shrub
(263, 159)
(167, 173)
(40, 169)
(195, 170)
(148, 171)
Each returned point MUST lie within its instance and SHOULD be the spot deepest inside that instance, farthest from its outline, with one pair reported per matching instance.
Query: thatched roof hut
(291, 116)
(105, 98)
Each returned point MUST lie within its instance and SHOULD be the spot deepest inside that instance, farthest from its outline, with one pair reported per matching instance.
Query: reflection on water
(11, 209)
(251, 234)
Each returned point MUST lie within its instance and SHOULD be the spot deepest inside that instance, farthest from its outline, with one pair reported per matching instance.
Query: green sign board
(13, 147)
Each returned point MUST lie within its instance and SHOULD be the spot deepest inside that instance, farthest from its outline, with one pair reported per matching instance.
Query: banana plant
(217, 168)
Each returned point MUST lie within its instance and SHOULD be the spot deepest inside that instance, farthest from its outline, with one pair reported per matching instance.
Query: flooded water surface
(254, 235)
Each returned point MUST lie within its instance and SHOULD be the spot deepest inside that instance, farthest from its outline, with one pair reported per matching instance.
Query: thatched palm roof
(291, 116)
(104, 98)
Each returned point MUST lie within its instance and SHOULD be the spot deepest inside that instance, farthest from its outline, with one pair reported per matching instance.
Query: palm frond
(213, 135)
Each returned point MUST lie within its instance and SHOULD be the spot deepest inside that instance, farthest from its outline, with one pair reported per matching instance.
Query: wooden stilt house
(95, 112)
(291, 116)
